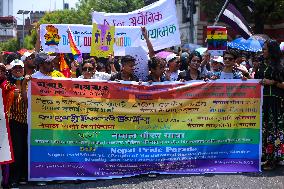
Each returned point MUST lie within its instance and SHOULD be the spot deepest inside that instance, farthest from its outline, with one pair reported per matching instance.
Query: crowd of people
(16, 70)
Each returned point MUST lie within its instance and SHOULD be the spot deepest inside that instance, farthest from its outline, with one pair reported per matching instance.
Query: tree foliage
(12, 45)
(82, 13)
(61, 17)
(85, 7)
(30, 40)
(265, 11)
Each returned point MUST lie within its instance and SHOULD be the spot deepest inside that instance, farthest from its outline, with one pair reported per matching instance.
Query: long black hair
(274, 54)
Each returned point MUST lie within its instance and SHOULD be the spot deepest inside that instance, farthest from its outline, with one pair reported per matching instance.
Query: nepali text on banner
(90, 130)
(159, 18)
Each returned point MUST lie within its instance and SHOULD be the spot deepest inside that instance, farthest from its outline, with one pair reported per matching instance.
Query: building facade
(6, 7)
(8, 28)
(35, 16)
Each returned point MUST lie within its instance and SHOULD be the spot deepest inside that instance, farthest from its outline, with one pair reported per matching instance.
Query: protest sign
(159, 18)
(216, 40)
(5, 148)
(93, 130)
(102, 40)
(54, 38)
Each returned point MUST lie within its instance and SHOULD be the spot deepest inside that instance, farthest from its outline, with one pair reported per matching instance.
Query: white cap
(26, 54)
(16, 63)
(171, 57)
(50, 58)
(217, 59)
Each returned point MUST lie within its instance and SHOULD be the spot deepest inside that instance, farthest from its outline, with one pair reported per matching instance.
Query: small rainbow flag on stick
(75, 51)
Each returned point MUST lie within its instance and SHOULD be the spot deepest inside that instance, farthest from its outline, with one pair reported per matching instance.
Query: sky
(39, 5)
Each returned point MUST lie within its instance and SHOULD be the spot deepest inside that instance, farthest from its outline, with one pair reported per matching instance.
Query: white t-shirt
(174, 75)
(225, 75)
(99, 76)
(39, 75)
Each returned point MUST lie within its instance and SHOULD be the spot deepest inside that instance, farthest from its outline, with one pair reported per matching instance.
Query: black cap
(126, 59)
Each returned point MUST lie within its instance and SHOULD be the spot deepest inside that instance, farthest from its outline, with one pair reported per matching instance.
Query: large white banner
(54, 38)
(159, 18)
(5, 151)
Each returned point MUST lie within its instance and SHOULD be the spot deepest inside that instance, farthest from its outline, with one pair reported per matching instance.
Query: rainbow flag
(75, 51)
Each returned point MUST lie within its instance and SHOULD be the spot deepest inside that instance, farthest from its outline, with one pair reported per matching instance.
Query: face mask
(244, 63)
(18, 78)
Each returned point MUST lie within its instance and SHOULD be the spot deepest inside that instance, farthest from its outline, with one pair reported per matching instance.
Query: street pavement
(265, 180)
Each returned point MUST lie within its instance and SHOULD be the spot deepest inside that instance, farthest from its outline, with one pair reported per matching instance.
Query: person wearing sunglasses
(89, 71)
(231, 69)
(193, 72)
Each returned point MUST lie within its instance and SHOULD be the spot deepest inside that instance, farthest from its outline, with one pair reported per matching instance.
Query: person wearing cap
(45, 71)
(28, 60)
(127, 70)
(193, 72)
(173, 67)
(216, 66)
(184, 57)
(10, 58)
(18, 127)
(8, 97)
(45, 67)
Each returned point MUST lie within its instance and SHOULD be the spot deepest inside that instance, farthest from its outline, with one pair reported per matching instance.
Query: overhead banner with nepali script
(54, 38)
(80, 129)
(5, 147)
(159, 18)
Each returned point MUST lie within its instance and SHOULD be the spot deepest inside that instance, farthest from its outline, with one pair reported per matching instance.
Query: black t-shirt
(117, 76)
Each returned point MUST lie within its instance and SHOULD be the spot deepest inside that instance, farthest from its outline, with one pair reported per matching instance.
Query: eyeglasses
(228, 58)
(87, 69)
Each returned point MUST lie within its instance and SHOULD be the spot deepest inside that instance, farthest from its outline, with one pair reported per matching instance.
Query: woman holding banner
(192, 73)
(271, 72)
(8, 96)
(18, 127)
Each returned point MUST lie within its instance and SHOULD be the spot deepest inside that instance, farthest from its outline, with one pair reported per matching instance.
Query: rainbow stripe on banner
(95, 130)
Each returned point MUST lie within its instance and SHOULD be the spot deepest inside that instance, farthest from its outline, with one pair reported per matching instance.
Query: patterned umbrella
(238, 43)
(163, 54)
(252, 45)
(261, 38)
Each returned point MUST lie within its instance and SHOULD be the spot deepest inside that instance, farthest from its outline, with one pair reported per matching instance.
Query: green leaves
(12, 45)
(80, 15)
(265, 12)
